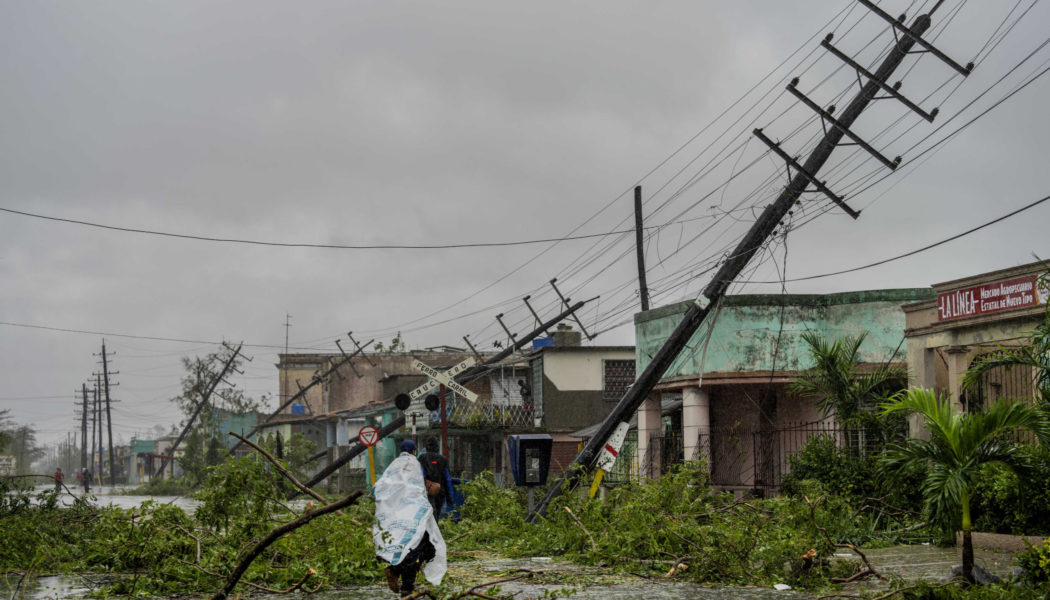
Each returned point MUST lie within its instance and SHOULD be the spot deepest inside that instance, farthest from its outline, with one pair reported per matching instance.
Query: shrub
(1036, 562)
(1004, 503)
(838, 471)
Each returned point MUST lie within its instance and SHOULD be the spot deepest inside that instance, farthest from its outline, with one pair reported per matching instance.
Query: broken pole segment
(732, 267)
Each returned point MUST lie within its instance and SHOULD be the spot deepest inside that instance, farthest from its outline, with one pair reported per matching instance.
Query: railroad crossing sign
(609, 453)
(439, 378)
(368, 436)
(611, 450)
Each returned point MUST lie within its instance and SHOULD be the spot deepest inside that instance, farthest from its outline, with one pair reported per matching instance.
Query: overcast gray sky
(422, 123)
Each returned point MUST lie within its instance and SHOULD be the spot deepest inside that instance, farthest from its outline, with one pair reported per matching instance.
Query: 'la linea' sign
(1010, 294)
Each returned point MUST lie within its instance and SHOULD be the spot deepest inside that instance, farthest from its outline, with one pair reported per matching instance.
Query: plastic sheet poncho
(404, 514)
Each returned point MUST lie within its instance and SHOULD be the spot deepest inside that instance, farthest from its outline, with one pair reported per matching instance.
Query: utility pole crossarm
(892, 90)
(826, 115)
(775, 147)
(565, 301)
(917, 38)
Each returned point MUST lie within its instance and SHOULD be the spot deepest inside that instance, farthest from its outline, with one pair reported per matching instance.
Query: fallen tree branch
(275, 535)
(869, 571)
(594, 545)
(280, 468)
(195, 538)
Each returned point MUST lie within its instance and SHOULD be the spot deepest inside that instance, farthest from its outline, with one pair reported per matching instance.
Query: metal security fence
(1000, 383)
(741, 458)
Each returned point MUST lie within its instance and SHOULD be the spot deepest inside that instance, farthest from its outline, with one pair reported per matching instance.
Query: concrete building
(574, 386)
(369, 381)
(970, 317)
(732, 384)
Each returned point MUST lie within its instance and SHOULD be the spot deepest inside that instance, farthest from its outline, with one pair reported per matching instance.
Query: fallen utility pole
(463, 378)
(752, 241)
(302, 391)
(200, 405)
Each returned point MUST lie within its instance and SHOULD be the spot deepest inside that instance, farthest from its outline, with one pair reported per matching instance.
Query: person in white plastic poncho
(405, 532)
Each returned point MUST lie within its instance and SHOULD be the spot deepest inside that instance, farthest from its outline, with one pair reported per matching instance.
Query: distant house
(574, 386)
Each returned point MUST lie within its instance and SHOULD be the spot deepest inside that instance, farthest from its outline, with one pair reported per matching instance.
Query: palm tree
(959, 445)
(842, 388)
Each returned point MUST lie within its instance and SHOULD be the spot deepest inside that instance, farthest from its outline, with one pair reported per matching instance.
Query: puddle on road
(115, 496)
(933, 562)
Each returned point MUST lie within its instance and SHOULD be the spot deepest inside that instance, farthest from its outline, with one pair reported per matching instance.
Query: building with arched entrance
(970, 318)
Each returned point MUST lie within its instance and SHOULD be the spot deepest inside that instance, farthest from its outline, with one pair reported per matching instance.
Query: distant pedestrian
(405, 533)
(86, 480)
(438, 481)
(58, 479)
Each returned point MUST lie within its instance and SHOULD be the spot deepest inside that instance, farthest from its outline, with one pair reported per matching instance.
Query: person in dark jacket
(435, 471)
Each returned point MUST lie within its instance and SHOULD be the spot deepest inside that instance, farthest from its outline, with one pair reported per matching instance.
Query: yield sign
(438, 378)
(368, 436)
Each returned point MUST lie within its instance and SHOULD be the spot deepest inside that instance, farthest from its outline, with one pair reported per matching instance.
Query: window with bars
(617, 379)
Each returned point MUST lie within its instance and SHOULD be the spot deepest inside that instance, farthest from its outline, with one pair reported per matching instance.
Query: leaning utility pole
(470, 374)
(643, 290)
(318, 378)
(754, 239)
(109, 419)
(196, 411)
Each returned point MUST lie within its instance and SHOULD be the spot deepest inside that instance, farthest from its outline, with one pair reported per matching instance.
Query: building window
(618, 377)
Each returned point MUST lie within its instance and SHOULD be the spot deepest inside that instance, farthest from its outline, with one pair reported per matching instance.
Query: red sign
(368, 436)
(1019, 292)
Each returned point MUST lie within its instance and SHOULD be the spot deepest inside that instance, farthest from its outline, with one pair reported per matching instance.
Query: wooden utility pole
(752, 242)
(98, 427)
(109, 418)
(83, 427)
(643, 289)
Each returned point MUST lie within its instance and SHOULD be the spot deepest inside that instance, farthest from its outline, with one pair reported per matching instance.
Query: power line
(203, 238)
(138, 337)
(918, 250)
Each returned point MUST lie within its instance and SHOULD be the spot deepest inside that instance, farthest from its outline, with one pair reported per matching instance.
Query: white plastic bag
(403, 514)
